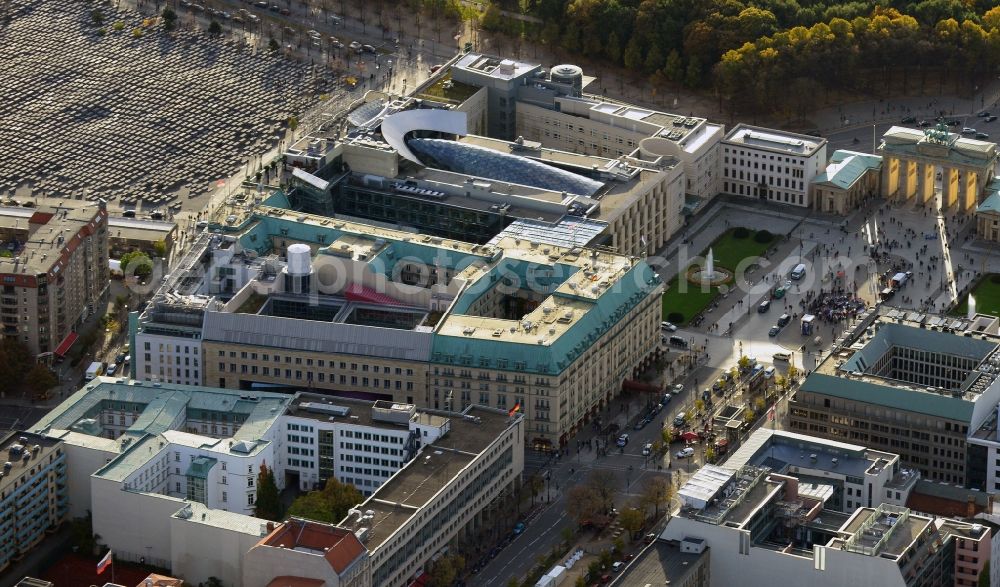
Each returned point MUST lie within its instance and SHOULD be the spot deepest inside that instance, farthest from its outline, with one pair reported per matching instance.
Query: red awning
(67, 342)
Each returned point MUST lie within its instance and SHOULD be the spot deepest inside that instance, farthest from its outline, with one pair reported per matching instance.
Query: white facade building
(771, 165)
(356, 442)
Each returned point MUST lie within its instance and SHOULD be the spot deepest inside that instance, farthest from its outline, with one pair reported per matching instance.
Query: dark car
(990, 118)
(774, 331)
(923, 123)
(982, 136)
(909, 120)
(120, 358)
(983, 114)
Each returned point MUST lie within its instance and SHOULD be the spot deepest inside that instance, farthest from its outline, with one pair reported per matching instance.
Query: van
(783, 320)
(95, 369)
(769, 372)
(799, 271)
(782, 357)
(679, 420)
(764, 306)
(678, 341)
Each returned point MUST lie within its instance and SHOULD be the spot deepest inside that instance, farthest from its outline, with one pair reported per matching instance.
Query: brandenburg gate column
(925, 184)
(969, 190)
(949, 187)
(909, 169)
(890, 177)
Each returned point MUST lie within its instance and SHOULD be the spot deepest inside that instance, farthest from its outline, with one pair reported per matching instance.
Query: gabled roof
(339, 546)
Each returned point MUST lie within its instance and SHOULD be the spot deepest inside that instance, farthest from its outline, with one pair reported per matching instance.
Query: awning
(67, 342)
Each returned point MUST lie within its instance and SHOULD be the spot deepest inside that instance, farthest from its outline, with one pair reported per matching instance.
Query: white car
(647, 449)
(677, 389)
(968, 131)
(668, 326)
(684, 453)
(622, 440)
(355, 46)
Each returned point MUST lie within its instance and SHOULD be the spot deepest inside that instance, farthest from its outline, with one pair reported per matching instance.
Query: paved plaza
(141, 120)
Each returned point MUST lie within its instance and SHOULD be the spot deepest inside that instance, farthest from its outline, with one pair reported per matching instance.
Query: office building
(553, 108)
(306, 303)
(355, 441)
(33, 493)
(914, 384)
(441, 495)
(845, 476)
(56, 275)
(771, 165)
(486, 143)
(169, 474)
(777, 515)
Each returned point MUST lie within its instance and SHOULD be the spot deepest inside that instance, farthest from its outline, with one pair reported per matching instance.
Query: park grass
(729, 253)
(987, 294)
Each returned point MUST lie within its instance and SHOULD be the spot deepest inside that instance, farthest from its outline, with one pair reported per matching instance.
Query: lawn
(987, 294)
(729, 251)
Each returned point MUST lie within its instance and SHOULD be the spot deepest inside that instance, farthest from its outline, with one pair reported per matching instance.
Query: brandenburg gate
(918, 165)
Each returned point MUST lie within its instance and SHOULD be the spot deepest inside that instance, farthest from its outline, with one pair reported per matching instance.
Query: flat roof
(778, 449)
(360, 411)
(13, 449)
(660, 563)
(50, 235)
(437, 464)
(504, 69)
(198, 513)
(779, 141)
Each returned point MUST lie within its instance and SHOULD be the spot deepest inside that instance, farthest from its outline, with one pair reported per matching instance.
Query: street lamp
(628, 477)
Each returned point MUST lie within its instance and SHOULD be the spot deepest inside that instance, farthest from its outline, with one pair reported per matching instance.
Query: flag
(105, 563)
(514, 410)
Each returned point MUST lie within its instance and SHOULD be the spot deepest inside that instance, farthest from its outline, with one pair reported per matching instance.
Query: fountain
(972, 307)
(708, 275)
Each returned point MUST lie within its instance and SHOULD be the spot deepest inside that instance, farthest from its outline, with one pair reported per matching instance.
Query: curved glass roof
(365, 112)
(482, 162)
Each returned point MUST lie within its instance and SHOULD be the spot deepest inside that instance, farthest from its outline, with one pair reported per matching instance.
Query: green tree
(214, 28)
(631, 520)
(699, 405)
(692, 77)
(140, 263)
(268, 504)
(793, 374)
(656, 493)
(710, 454)
(169, 18)
(674, 68)
(744, 363)
(273, 45)
(97, 16)
(445, 570)
(633, 54)
(654, 58)
(329, 504)
(160, 248)
(613, 48)
(749, 416)
(293, 122)
(40, 379)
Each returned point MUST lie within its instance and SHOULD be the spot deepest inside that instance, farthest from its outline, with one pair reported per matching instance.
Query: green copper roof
(200, 467)
(992, 201)
(922, 402)
(846, 167)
